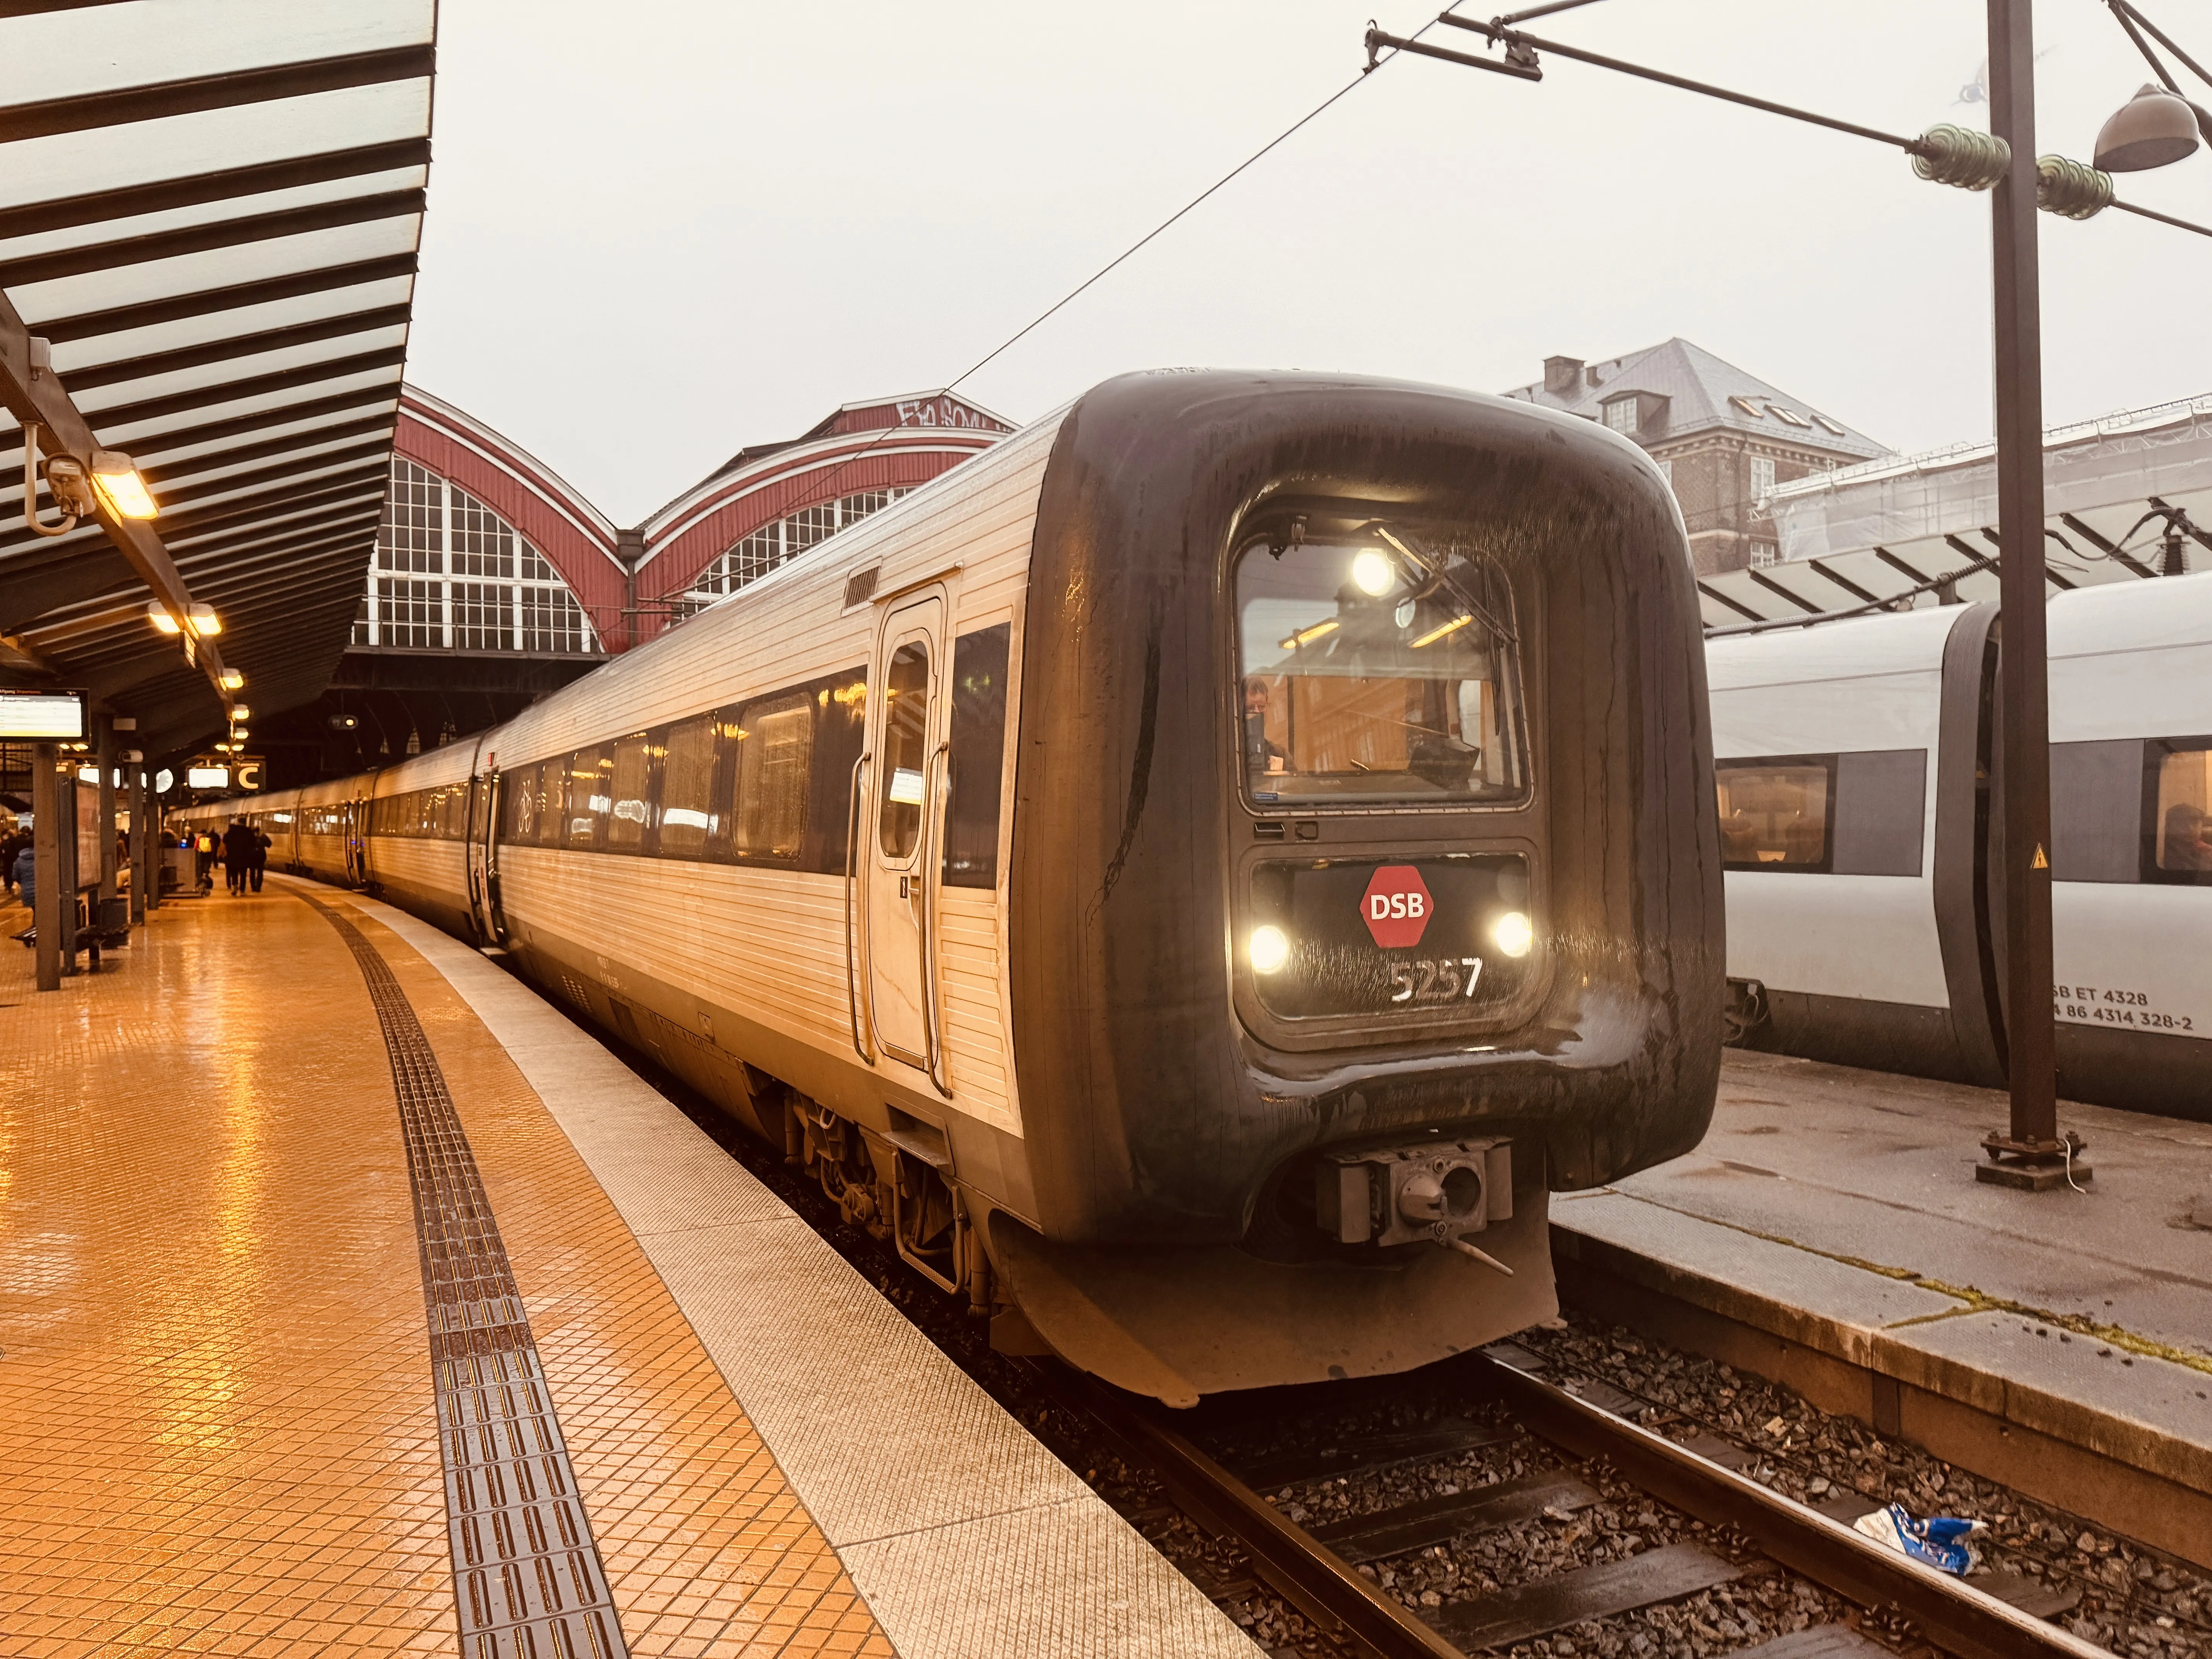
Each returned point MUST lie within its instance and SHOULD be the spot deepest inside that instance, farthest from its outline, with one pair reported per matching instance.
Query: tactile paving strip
(527, 1578)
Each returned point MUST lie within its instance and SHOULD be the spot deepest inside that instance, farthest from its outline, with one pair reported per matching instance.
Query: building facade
(1723, 437)
(495, 581)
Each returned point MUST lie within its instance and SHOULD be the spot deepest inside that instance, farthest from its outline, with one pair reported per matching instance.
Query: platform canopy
(1920, 531)
(210, 210)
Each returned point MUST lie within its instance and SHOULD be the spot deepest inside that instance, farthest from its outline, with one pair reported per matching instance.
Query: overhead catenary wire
(826, 490)
(1946, 154)
(2165, 39)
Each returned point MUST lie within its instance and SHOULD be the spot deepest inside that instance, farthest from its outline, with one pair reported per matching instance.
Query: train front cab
(1365, 875)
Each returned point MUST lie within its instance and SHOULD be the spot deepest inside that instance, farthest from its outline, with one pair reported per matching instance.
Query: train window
(904, 762)
(2097, 811)
(626, 793)
(774, 740)
(2178, 781)
(1375, 665)
(518, 804)
(688, 817)
(1774, 812)
(1881, 813)
(841, 726)
(977, 757)
(587, 799)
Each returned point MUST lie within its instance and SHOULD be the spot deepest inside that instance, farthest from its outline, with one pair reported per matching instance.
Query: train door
(898, 856)
(353, 825)
(483, 853)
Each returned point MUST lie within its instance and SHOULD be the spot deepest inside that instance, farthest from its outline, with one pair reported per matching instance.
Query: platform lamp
(2154, 129)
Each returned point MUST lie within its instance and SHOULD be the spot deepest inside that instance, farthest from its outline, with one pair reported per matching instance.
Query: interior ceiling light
(1371, 572)
(233, 680)
(240, 712)
(2150, 130)
(205, 623)
(158, 614)
(115, 476)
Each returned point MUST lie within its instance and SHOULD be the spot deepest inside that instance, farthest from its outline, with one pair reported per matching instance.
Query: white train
(1148, 873)
(1854, 763)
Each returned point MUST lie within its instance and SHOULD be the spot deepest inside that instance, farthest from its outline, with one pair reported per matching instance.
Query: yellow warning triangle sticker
(2041, 862)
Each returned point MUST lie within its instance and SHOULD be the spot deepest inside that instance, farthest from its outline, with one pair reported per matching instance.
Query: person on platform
(23, 868)
(18, 839)
(237, 854)
(204, 850)
(259, 862)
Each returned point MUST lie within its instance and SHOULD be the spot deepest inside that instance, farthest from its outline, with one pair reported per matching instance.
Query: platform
(1829, 1233)
(648, 1406)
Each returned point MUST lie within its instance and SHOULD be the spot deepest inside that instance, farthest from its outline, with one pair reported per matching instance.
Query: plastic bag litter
(1941, 1540)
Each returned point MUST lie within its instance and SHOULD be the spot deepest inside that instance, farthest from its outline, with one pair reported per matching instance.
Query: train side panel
(2131, 742)
(1837, 950)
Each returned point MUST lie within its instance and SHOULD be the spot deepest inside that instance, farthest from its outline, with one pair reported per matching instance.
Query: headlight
(1269, 949)
(1513, 933)
(1371, 572)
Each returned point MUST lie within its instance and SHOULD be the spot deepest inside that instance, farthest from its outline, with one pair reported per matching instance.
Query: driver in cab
(1263, 756)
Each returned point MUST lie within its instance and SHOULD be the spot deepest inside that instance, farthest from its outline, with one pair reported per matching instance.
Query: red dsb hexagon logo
(1396, 906)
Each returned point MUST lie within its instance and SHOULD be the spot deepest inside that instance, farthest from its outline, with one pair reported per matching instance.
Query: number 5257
(1434, 982)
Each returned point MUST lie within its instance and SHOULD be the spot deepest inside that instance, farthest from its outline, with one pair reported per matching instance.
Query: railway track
(1318, 1570)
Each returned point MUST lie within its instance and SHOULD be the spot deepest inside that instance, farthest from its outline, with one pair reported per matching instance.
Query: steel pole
(2026, 759)
(46, 853)
(142, 842)
(104, 733)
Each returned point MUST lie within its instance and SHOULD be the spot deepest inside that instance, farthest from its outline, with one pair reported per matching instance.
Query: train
(1193, 878)
(1856, 764)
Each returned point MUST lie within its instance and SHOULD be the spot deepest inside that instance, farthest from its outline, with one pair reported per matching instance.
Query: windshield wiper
(1425, 564)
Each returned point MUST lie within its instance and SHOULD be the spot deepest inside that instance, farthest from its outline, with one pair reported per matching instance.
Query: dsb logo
(1396, 907)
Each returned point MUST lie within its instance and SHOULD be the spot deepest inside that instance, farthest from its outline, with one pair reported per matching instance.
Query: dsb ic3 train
(1195, 877)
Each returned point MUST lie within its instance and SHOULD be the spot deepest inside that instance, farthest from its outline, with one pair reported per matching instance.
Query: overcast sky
(664, 231)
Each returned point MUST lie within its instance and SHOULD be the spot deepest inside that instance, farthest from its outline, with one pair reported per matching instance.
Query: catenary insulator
(1948, 154)
(2072, 190)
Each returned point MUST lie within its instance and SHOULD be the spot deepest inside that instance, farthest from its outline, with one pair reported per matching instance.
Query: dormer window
(1620, 413)
(1788, 415)
(1746, 406)
(1827, 425)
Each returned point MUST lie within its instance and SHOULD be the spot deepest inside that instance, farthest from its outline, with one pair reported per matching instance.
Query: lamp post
(2026, 1155)
(2154, 129)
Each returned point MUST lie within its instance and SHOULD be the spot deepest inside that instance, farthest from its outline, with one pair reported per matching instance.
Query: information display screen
(43, 716)
(1429, 936)
(207, 777)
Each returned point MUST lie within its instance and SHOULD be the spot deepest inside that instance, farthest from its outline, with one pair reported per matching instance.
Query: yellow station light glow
(1372, 573)
(158, 614)
(115, 476)
(1436, 633)
(1307, 636)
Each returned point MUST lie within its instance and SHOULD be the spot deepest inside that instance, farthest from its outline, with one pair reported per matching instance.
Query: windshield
(1375, 666)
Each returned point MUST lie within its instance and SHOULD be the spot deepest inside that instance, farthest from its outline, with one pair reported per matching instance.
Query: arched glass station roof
(210, 211)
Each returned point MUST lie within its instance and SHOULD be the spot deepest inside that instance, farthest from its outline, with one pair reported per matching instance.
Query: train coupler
(1432, 1190)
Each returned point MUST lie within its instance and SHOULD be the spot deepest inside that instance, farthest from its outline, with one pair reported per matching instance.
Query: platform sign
(207, 777)
(43, 716)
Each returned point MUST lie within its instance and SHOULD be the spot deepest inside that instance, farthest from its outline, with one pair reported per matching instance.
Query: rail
(1306, 1572)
